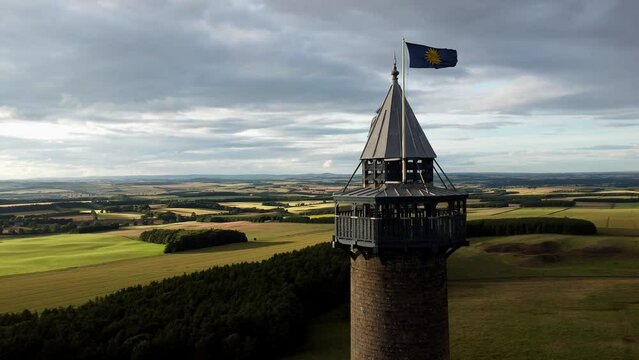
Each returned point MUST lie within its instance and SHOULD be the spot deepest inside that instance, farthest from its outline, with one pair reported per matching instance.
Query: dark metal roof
(385, 134)
(391, 191)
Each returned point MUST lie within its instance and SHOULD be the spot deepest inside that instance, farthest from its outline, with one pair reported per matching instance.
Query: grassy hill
(45, 253)
(78, 284)
(528, 297)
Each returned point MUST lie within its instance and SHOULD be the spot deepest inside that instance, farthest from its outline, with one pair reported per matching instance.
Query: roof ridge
(384, 137)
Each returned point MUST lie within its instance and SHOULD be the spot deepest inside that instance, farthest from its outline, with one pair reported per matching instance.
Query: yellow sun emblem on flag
(432, 56)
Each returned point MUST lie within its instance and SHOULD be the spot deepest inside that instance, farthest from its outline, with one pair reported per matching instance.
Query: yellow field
(249, 205)
(106, 215)
(25, 204)
(189, 211)
(321, 216)
(316, 206)
(119, 216)
(77, 285)
(542, 190)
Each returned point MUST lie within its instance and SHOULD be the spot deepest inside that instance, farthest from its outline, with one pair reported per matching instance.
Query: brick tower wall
(399, 308)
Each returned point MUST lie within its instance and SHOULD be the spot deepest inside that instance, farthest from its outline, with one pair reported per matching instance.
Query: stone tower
(399, 229)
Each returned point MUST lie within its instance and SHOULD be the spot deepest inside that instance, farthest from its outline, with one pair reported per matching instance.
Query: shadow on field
(234, 247)
(549, 252)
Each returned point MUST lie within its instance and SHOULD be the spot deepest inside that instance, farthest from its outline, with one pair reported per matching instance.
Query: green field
(582, 305)
(78, 284)
(44, 253)
(622, 220)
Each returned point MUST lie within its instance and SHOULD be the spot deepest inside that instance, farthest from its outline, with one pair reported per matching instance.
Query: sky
(106, 88)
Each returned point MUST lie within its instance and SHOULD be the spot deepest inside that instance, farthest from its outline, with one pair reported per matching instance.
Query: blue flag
(422, 56)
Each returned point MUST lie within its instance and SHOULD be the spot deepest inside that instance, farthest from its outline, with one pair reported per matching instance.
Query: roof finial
(394, 72)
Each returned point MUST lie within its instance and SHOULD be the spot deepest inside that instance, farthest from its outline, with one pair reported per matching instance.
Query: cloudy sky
(92, 88)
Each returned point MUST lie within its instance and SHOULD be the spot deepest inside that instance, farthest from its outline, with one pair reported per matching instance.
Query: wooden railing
(418, 231)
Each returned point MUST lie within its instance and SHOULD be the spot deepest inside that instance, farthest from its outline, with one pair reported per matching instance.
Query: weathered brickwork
(399, 308)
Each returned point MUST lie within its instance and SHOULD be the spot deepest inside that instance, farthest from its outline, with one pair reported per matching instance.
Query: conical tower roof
(385, 134)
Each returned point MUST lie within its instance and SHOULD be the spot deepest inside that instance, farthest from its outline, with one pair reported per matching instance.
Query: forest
(537, 225)
(182, 240)
(242, 311)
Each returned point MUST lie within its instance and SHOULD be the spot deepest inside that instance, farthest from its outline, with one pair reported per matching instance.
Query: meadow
(620, 220)
(45, 253)
(75, 285)
(565, 318)
(581, 305)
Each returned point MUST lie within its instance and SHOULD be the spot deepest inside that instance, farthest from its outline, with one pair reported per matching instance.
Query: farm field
(118, 216)
(248, 205)
(618, 221)
(45, 253)
(79, 284)
(309, 207)
(576, 318)
(579, 304)
(189, 211)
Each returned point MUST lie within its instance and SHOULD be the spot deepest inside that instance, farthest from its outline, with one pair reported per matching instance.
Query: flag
(422, 56)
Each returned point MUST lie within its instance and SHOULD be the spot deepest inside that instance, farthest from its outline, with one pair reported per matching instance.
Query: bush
(503, 227)
(181, 240)
(242, 311)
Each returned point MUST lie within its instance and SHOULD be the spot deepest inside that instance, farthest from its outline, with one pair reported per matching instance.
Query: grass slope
(44, 253)
(616, 221)
(505, 306)
(76, 285)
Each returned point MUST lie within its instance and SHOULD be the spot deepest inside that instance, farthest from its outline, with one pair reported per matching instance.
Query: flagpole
(403, 112)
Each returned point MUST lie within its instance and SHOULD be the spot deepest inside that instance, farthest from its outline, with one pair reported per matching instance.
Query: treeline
(543, 203)
(34, 224)
(41, 207)
(536, 225)
(503, 198)
(205, 193)
(309, 220)
(609, 200)
(281, 217)
(182, 240)
(200, 204)
(506, 198)
(243, 311)
(276, 204)
(95, 227)
(322, 211)
(223, 219)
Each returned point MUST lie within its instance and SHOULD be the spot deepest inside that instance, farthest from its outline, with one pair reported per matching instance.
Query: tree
(94, 215)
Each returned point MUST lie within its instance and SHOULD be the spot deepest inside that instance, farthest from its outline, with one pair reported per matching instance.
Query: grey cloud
(112, 65)
(606, 147)
(487, 125)
(622, 124)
